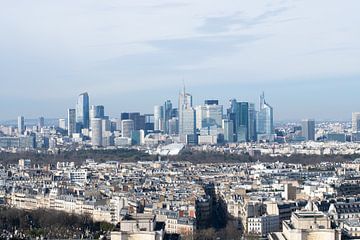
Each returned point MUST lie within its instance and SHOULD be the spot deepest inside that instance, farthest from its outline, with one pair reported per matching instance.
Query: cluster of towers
(208, 123)
(87, 117)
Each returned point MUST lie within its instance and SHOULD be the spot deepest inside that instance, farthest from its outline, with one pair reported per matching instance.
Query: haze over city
(132, 55)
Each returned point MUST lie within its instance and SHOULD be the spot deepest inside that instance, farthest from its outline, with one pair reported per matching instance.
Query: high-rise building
(139, 120)
(186, 117)
(252, 123)
(209, 115)
(266, 118)
(265, 121)
(82, 111)
(211, 102)
(127, 126)
(242, 122)
(71, 122)
(243, 117)
(158, 118)
(228, 126)
(149, 123)
(213, 113)
(167, 115)
(62, 123)
(96, 131)
(173, 126)
(355, 122)
(96, 111)
(21, 125)
(41, 122)
(308, 129)
(200, 112)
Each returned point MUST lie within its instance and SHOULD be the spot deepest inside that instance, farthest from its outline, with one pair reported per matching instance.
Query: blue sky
(131, 55)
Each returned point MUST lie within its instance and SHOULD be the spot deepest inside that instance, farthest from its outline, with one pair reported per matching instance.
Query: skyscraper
(308, 129)
(71, 122)
(158, 118)
(127, 126)
(62, 123)
(167, 115)
(209, 115)
(139, 120)
(265, 124)
(355, 122)
(96, 131)
(228, 126)
(252, 123)
(243, 117)
(186, 117)
(41, 122)
(21, 125)
(242, 122)
(96, 111)
(82, 111)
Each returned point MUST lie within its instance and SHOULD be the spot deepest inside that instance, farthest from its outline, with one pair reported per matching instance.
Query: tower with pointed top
(265, 125)
(187, 118)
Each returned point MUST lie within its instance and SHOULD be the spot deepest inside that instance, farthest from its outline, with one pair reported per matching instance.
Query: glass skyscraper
(158, 118)
(308, 129)
(186, 117)
(265, 126)
(97, 111)
(82, 111)
(71, 122)
(167, 115)
(21, 125)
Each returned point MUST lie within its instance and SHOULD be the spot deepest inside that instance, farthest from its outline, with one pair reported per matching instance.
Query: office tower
(82, 111)
(211, 102)
(252, 122)
(96, 132)
(232, 115)
(62, 123)
(41, 122)
(213, 113)
(173, 126)
(158, 118)
(71, 122)
(139, 120)
(138, 137)
(127, 126)
(200, 112)
(242, 122)
(188, 121)
(149, 123)
(167, 115)
(186, 117)
(21, 125)
(96, 111)
(308, 129)
(106, 124)
(174, 113)
(243, 117)
(265, 124)
(355, 122)
(228, 127)
(208, 116)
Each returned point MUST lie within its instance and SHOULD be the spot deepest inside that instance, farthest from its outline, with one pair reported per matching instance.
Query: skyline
(226, 104)
(306, 62)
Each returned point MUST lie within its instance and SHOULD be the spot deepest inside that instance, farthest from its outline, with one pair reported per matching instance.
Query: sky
(131, 55)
